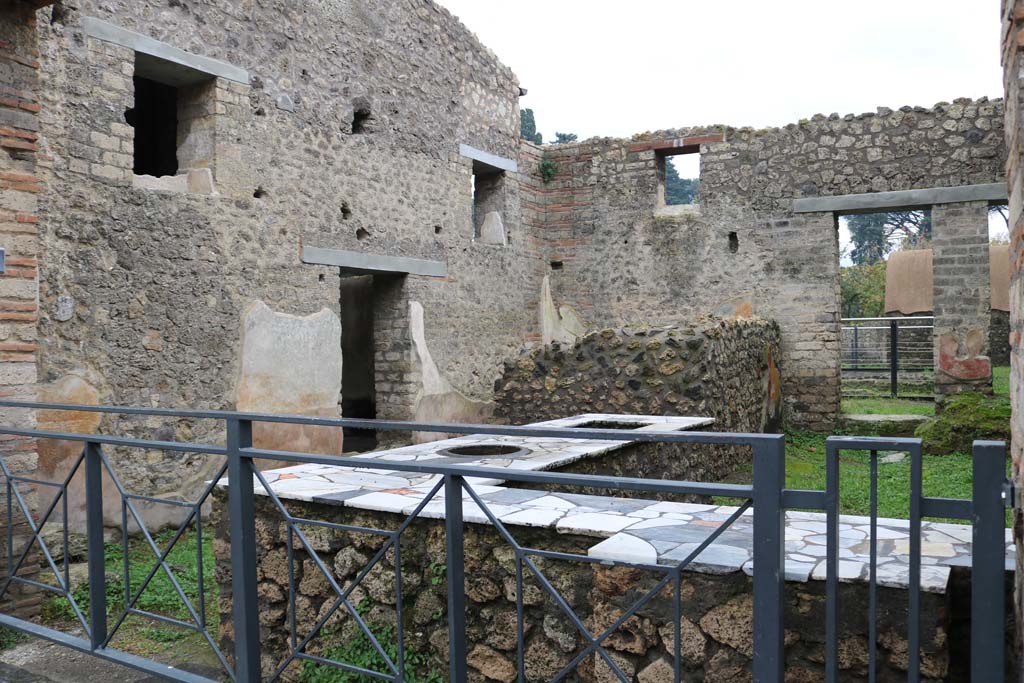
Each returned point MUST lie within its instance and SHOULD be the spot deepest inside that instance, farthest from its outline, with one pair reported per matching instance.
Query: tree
(528, 127)
(862, 290)
(1003, 210)
(562, 138)
(876, 235)
(679, 190)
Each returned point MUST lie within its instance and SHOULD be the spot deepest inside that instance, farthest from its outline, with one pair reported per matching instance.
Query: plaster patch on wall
(737, 307)
(493, 230)
(963, 361)
(291, 365)
(57, 457)
(438, 400)
(560, 324)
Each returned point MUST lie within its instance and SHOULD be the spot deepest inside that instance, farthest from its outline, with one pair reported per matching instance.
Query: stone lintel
(902, 199)
(195, 67)
(489, 159)
(361, 263)
(677, 145)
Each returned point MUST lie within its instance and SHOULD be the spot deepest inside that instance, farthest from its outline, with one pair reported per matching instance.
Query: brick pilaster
(19, 284)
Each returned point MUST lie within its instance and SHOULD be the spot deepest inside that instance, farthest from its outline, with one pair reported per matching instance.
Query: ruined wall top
(949, 144)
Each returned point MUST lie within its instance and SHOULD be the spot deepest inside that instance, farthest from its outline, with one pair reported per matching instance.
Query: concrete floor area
(37, 661)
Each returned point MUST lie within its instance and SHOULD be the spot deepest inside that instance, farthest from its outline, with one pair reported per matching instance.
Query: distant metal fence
(886, 347)
(766, 496)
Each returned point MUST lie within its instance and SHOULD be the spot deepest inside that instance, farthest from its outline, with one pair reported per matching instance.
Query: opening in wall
(679, 177)
(488, 190)
(358, 383)
(155, 120)
(174, 121)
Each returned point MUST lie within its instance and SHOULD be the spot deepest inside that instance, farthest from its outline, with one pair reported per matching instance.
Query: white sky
(603, 68)
(596, 67)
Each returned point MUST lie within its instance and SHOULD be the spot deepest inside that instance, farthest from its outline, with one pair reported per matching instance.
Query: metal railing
(888, 346)
(767, 497)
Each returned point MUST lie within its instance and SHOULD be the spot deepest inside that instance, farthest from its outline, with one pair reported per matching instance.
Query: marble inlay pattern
(631, 530)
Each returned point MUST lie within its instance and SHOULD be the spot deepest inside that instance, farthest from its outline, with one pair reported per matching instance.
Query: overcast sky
(595, 67)
(601, 68)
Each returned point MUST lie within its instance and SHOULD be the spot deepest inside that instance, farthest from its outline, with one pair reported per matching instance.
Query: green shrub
(964, 418)
(547, 170)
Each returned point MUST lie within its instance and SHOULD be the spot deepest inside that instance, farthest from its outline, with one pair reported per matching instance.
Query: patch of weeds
(141, 635)
(437, 573)
(547, 170)
(9, 638)
(359, 651)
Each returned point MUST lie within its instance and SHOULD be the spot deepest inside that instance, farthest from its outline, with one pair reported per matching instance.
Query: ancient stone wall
(622, 257)
(998, 337)
(709, 367)
(344, 134)
(716, 643)
(1013, 62)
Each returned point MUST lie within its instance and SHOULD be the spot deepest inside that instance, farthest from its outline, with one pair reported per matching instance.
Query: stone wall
(709, 367)
(622, 258)
(146, 282)
(324, 143)
(716, 643)
(998, 337)
(1013, 62)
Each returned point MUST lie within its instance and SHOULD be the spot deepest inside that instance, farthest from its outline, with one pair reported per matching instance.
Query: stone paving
(631, 530)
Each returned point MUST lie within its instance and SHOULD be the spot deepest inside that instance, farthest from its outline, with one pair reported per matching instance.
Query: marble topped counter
(632, 530)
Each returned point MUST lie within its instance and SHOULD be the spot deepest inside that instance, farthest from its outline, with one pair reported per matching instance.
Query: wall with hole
(741, 251)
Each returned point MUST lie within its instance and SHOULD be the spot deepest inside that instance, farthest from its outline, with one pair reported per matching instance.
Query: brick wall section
(1013, 24)
(19, 284)
(960, 264)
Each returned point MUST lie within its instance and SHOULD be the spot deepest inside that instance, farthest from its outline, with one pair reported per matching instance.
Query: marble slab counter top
(631, 530)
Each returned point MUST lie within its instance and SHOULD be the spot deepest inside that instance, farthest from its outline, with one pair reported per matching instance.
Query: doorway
(358, 395)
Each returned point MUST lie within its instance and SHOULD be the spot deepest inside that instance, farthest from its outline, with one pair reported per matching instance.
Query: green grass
(1001, 380)
(882, 404)
(887, 406)
(946, 476)
(141, 635)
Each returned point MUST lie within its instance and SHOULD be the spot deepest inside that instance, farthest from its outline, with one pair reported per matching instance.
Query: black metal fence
(883, 348)
(767, 496)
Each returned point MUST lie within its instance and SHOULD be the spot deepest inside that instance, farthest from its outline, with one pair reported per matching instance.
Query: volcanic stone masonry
(722, 369)
(318, 142)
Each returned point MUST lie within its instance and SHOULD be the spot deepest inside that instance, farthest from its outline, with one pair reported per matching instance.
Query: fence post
(242, 513)
(96, 550)
(456, 573)
(894, 357)
(856, 348)
(988, 553)
(769, 567)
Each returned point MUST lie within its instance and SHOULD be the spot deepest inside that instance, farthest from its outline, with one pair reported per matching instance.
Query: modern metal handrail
(766, 496)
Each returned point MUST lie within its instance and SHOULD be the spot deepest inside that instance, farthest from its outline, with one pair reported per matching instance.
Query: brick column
(19, 284)
(961, 293)
(1013, 26)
